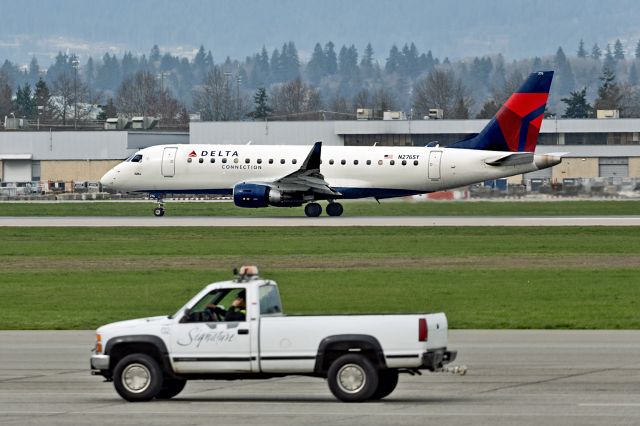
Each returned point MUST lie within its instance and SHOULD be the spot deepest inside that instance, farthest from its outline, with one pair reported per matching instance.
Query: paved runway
(515, 377)
(199, 221)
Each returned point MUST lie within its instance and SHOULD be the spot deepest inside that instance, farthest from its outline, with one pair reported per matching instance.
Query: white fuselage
(355, 172)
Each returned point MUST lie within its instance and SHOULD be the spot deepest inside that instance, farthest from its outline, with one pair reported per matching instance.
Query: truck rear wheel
(170, 388)
(387, 382)
(352, 378)
(137, 377)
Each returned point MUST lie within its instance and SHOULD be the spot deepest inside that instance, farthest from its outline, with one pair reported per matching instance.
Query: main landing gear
(315, 209)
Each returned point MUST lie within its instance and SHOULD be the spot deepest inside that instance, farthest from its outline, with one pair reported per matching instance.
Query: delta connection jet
(291, 176)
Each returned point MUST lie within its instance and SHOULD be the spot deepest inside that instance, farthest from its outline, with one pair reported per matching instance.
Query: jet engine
(253, 195)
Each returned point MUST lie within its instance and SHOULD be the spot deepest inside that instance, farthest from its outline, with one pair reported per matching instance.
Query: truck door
(169, 162)
(434, 165)
(204, 344)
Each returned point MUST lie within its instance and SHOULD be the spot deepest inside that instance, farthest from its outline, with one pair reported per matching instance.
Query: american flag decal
(388, 157)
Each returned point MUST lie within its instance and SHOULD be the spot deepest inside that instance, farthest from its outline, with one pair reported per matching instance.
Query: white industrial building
(605, 148)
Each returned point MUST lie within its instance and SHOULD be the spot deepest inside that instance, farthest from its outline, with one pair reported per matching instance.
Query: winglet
(313, 159)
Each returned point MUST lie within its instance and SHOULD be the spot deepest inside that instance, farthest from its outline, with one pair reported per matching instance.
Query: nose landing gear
(158, 211)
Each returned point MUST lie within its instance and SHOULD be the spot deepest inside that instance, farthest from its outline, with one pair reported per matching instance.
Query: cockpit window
(136, 158)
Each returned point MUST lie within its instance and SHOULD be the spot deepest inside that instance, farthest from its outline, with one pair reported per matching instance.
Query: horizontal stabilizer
(512, 159)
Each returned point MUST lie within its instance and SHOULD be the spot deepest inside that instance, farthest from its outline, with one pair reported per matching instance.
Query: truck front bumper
(99, 363)
(435, 359)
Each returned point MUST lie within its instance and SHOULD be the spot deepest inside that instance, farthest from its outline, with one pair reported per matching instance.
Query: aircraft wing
(307, 178)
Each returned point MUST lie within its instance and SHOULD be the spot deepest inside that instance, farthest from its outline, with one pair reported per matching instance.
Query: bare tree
(383, 100)
(441, 89)
(362, 99)
(213, 98)
(63, 92)
(142, 94)
(294, 98)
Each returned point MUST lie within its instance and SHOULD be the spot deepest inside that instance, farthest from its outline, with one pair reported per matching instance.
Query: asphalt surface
(199, 221)
(514, 378)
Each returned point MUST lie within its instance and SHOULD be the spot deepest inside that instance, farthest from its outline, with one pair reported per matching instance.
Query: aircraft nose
(108, 181)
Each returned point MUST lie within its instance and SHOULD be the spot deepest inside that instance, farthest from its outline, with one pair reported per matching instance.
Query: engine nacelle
(251, 195)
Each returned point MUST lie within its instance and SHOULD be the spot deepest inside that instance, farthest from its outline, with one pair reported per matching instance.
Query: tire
(171, 388)
(137, 377)
(313, 210)
(334, 209)
(387, 382)
(158, 212)
(352, 378)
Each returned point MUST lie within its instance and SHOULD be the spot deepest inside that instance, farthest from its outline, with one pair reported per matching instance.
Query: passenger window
(343, 162)
(294, 161)
(224, 160)
(379, 162)
(282, 161)
(213, 160)
(259, 161)
(235, 160)
(189, 160)
(270, 300)
(355, 162)
(330, 161)
(368, 162)
(270, 160)
(200, 160)
(246, 160)
(392, 162)
(415, 162)
(404, 162)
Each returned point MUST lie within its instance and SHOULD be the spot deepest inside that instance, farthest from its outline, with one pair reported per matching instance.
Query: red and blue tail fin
(516, 126)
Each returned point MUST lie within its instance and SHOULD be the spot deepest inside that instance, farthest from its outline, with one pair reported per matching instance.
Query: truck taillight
(423, 332)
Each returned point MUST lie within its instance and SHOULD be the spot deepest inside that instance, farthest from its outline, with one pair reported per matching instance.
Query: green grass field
(356, 208)
(78, 278)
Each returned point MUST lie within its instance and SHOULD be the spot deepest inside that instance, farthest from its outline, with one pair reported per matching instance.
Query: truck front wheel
(352, 378)
(137, 377)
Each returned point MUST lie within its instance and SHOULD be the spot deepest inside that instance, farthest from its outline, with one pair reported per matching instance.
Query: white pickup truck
(359, 355)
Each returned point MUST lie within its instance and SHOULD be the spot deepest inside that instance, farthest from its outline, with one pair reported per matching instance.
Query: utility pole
(75, 63)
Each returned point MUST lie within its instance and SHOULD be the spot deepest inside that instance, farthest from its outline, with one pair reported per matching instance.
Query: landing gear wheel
(158, 211)
(313, 210)
(170, 388)
(387, 382)
(137, 377)
(334, 209)
(352, 378)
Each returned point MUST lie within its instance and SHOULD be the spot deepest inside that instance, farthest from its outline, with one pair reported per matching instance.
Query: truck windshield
(270, 300)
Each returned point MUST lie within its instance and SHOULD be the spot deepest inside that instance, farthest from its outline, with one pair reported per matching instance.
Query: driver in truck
(236, 312)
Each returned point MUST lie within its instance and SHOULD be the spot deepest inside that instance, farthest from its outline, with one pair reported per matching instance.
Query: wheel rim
(136, 378)
(351, 378)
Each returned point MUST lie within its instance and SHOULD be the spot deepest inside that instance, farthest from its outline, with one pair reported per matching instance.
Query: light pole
(75, 63)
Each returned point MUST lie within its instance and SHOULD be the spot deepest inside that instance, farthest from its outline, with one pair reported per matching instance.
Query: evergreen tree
(5, 95)
(488, 110)
(42, 100)
(34, 70)
(24, 104)
(108, 111)
(154, 56)
(275, 67)
(90, 73)
(199, 63)
(348, 62)
(596, 52)
(393, 61)
(577, 105)
(565, 77)
(261, 109)
(609, 61)
(316, 68)
(638, 50)
(609, 95)
(582, 53)
(331, 58)
(129, 65)
(618, 51)
(366, 63)
(633, 75)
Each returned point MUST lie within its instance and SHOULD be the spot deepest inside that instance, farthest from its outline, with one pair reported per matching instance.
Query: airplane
(291, 176)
